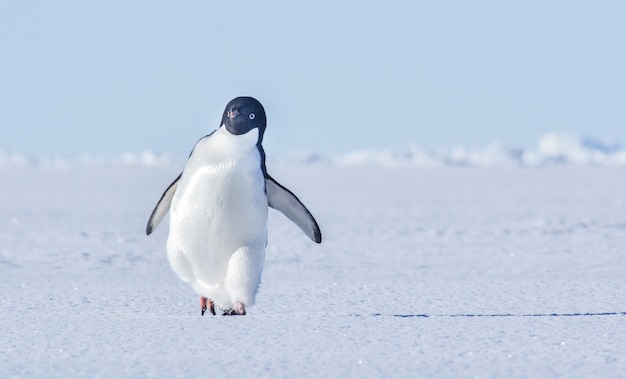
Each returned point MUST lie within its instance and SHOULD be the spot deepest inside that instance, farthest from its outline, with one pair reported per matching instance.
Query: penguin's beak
(233, 113)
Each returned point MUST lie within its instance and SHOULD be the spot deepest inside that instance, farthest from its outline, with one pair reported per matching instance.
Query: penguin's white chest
(218, 218)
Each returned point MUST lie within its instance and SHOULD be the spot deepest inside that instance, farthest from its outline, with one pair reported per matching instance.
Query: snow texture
(552, 148)
(424, 272)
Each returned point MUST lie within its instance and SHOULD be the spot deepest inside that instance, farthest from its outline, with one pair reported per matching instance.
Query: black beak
(232, 113)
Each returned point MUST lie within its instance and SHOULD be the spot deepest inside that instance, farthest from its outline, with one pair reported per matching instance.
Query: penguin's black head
(243, 114)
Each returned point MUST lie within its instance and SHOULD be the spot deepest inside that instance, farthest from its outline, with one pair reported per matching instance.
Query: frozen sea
(512, 270)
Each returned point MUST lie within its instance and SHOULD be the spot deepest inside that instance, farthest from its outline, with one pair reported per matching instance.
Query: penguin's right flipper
(284, 201)
(162, 206)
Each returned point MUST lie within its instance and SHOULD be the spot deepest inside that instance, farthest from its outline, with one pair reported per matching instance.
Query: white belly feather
(218, 219)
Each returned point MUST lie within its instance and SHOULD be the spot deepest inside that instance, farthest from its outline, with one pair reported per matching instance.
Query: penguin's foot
(204, 303)
(238, 310)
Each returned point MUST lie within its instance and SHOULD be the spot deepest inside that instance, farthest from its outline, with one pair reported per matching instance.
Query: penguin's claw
(204, 302)
(238, 310)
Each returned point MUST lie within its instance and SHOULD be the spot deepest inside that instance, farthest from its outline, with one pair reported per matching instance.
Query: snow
(552, 148)
(431, 270)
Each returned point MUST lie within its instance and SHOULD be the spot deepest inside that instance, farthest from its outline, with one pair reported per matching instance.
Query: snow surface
(433, 271)
(552, 148)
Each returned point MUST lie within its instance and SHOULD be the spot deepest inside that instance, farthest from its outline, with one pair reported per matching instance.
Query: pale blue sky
(118, 76)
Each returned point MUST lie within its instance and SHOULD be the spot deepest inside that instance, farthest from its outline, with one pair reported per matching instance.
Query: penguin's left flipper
(162, 206)
(284, 201)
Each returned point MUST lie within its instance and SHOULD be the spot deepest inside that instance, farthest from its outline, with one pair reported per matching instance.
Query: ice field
(428, 268)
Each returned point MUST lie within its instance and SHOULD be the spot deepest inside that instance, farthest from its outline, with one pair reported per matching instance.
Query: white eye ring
(251, 116)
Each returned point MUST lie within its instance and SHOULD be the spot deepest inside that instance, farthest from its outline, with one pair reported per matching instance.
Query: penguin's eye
(251, 116)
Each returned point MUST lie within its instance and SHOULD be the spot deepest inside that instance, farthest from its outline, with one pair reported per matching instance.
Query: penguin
(218, 210)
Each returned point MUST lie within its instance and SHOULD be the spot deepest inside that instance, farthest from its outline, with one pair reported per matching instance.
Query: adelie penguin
(218, 211)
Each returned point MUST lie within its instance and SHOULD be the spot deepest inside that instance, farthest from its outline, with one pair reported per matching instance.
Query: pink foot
(204, 302)
(238, 310)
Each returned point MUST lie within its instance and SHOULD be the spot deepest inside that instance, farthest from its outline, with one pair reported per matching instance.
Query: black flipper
(162, 206)
(284, 201)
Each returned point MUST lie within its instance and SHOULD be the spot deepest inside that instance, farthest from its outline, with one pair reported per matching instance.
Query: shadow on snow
(588, 314)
